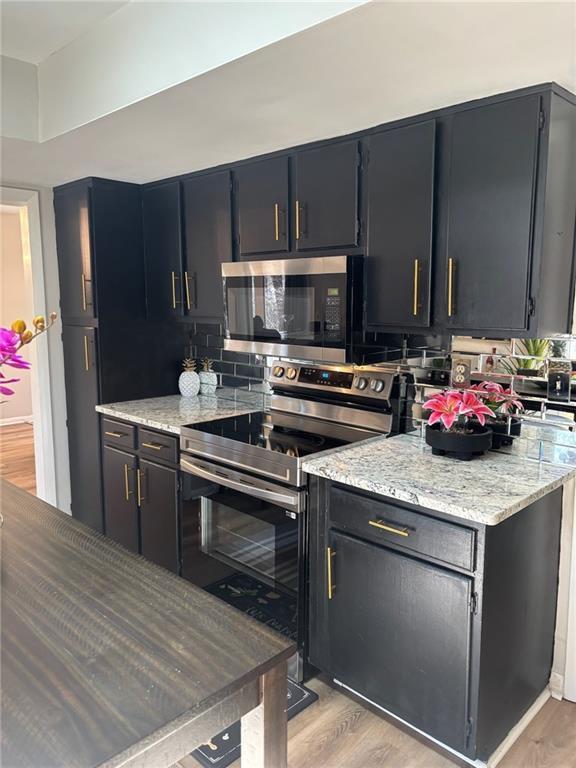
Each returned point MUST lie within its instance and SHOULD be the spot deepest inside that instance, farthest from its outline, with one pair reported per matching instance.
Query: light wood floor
(17, 456)
(338, 732)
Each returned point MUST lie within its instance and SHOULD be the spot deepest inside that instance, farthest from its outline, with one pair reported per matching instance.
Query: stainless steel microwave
(309, 308)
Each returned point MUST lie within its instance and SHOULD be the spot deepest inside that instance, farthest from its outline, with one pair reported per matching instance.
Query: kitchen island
(109, 660)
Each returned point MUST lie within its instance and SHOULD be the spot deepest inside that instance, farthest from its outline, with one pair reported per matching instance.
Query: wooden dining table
(109, 660)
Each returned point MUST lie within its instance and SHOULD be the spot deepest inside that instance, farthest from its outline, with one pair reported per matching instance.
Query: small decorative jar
(189, 381)
(208, 379)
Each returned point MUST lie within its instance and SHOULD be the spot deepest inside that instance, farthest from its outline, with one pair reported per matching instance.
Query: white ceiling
(371, 65)
(31, 31)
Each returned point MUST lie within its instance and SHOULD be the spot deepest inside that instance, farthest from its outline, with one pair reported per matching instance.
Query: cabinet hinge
(542, 119)
(531, 306)
(474, 603)
(469, 729)
(358, 228)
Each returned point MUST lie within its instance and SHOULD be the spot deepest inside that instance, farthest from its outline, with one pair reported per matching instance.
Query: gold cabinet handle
(127, 490)
(187, 290)
(84, 303)
(175, 301)
(139, 475)
(329, 555)
(154, 446)
(86, 358)
(389, 528)
(416, 274)
(297, 219)
(276, 222)
(115, 434)
(450, 287)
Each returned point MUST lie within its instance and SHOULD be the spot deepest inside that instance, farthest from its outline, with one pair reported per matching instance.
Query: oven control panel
(326, 378)
(364, 383)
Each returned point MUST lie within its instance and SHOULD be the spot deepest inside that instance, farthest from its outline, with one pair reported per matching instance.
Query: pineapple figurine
(189, 381)
(208, 379)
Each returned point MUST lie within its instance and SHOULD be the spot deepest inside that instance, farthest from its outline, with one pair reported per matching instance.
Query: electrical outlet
(461, 372)
(559, 386)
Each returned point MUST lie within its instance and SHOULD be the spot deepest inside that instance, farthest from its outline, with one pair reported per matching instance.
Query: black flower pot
(460, 445)
(500, 436)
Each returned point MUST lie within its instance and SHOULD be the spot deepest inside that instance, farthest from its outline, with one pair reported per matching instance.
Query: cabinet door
(82, 396)
(399, 634)
(326, 197)
(73, 242)
(158, 493)
(263, 206)
(163, 250)
(120, 503)
(491, 189)
(400, 191)
(208, 237)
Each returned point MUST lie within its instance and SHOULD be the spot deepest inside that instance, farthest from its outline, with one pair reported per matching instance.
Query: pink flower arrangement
(455, 409)
(12, 340)
(502, 402)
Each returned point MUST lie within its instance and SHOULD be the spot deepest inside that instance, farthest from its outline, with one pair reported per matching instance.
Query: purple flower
(3, 381)
(9, 342)
(17, 361)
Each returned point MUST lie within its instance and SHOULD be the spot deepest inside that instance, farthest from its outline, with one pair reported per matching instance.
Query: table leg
(264, 729)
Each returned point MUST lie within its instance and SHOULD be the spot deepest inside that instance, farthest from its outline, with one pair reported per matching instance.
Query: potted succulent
(457, 425)
(208, 379)
(504, 404)
(189, 382)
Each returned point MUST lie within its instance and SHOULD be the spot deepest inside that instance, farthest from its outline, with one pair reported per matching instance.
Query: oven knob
(291, 373)
(361, 382)
(376, 385)
(278, 371)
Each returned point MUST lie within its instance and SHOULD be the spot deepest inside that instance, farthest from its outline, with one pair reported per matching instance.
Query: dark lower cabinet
(120, 502)
(159, 514)
(82, 396)
(458, 645)
(400, 213)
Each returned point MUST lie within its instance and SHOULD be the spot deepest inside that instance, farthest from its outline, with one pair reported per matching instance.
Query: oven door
(293, 307)
(243, 541)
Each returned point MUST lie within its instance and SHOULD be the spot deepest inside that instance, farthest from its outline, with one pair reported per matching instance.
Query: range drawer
(382, 522)
(118, 433)
(157, 445)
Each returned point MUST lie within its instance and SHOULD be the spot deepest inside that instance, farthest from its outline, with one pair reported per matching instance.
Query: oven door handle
(290, 501)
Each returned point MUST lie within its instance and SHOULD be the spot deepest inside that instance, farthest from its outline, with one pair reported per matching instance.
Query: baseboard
(16, 420)
(557, 686)
(518, 729)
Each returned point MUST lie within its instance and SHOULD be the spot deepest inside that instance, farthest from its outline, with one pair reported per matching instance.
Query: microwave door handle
(228, 482)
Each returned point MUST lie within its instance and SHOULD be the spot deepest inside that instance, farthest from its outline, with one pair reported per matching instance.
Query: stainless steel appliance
(245, 494)
(304, 308)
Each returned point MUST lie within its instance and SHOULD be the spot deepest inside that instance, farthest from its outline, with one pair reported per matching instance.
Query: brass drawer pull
(450, 287)
(187, 291)
(297, 219)
(154, 446)
(389, 528)
(276, 222)
(84, 302)
(127, 490)
(416, 271)
(329, 555)
(139, 475)
(175, 301)
(86, 358)
(115, 434)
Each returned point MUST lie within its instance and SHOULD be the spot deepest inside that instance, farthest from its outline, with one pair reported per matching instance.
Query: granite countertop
(487, 489)
(170, 413)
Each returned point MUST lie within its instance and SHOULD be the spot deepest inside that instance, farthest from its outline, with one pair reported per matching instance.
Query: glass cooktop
(260, 431)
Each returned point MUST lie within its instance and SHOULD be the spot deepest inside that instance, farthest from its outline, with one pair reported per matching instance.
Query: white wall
(15, 302)
(19, 99)
(144, 48)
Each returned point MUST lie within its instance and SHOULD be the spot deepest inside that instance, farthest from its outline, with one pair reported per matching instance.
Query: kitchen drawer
(384, 523)
(118, 433)
(157, 445)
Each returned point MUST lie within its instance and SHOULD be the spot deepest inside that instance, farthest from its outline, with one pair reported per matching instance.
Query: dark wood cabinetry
(208, 243)
(431, 624)
(141, 495)
(326, 197)
(263, 207)
(399, 218)
(162, 233)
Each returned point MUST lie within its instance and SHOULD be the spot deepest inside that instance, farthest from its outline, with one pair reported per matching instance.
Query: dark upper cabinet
(163, 253)
(399, 210)
(491, 186)
(326, 197)
(387, 623)
(120, 497)
(262, 198)
(158, 498)
(82, 396)
(74, 244)
(208, 242)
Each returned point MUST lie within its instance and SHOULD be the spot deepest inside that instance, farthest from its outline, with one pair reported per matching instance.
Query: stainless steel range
(245, 520)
